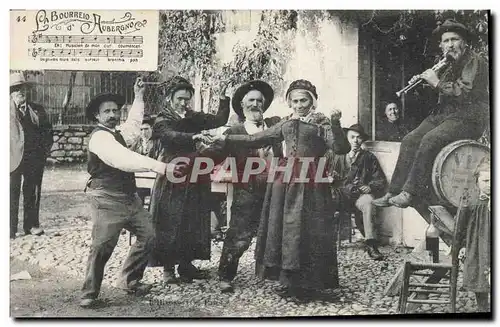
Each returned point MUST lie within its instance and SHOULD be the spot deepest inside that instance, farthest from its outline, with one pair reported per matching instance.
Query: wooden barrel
(453, 170)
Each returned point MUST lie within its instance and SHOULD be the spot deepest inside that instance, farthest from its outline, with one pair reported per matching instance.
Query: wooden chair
(447, 271)
(345, 220)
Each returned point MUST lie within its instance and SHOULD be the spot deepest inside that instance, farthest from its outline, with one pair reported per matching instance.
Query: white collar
(109, 129)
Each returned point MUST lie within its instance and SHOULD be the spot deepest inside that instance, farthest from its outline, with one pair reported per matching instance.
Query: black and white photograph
(250, 163)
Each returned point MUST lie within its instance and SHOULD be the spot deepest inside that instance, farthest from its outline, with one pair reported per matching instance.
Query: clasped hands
(208, 139)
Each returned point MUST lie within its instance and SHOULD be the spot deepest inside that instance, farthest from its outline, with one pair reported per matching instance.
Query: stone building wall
(70, 143)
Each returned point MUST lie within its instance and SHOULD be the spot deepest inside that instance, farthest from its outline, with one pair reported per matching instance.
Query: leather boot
(169, 275)
(187, 272)
(372, 250)
(402, 200)
(383, 201)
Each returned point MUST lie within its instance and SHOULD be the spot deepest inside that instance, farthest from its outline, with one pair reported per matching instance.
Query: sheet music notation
(125, 53)
(106, 39)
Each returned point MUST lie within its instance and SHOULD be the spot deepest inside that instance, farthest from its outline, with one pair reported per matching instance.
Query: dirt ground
(52, 294)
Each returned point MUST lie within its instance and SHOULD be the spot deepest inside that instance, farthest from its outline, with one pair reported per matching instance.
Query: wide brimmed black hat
(357, 128)
(302, 84)
(263, 87)
(178, 83)
(451, 25)
(94, 104)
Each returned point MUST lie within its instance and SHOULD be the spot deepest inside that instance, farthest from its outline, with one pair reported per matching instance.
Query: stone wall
(70, 143)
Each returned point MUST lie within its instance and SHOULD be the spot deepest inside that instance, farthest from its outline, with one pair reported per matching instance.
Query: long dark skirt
(296, 241)
(181, 220)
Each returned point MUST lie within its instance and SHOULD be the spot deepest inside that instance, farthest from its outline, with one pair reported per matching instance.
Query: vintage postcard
(250, 163)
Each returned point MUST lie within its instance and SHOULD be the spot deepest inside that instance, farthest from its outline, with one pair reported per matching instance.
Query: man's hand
(365, 189)
(335, 114)
(139, 88)
(205, 138)
(430, 77)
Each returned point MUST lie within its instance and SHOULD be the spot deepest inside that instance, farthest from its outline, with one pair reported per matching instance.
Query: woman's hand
(335, 114)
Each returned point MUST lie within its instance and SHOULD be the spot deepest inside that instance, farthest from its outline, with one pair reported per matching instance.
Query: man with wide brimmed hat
(113, 193)
(250, 101)
(357, 178)
(462, 112)
(31, 141)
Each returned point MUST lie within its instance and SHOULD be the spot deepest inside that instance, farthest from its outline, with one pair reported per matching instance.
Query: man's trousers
(111, 214)
(245, 217)
(421, 146)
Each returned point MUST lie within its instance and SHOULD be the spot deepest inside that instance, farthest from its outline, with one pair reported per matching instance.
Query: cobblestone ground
(66, 244)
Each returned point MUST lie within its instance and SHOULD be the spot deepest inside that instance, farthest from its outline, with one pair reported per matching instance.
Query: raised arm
(340, 145)
(209, 121)
(131, 128)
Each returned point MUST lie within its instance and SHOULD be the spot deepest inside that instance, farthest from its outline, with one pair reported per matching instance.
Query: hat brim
(464, 32)
(94, 104)
(363, 134)
(263, 87)
(19, 83)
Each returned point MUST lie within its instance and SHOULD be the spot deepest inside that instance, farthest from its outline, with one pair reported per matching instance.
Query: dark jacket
(392, 132)
(464, 88)
(365, 170)
(37, 130)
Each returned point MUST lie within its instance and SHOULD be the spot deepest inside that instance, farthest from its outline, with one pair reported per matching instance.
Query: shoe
(189, 272)
(35, 231)
(372, 250)
(138, 288)
(226, 287)
(87, 303)
(383, 201)
(169, 276)
(402, 200)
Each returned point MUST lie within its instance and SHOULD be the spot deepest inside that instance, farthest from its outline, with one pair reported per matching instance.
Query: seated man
(357, 177)
(391, 127)
(462, 112)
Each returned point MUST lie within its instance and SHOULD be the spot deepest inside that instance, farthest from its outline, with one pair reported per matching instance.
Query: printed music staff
(106, 39)
(121, 53)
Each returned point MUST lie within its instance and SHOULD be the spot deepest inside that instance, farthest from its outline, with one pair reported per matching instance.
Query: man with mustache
(250, 101)
(462, 112)
(31, 140)
(113, 193)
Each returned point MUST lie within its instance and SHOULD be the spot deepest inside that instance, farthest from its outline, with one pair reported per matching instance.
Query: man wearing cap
(181, 211)
(357, 177)
(462, 112)
(31, 140)
(113, 194)
(250, 101)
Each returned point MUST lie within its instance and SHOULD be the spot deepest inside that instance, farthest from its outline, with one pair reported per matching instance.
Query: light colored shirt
(252, 128)
(112, 153)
